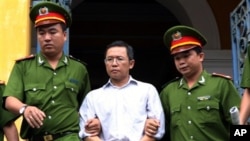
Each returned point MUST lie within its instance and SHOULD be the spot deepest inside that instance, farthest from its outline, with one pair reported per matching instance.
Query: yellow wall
(14, 35)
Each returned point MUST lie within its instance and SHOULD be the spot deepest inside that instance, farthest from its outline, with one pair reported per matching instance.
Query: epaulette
(2, 82)
(71, 57)
(222, 75)
(26, 58)
(172, 80)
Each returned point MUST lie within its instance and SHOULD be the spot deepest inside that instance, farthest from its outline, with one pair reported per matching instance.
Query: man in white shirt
(123, 104)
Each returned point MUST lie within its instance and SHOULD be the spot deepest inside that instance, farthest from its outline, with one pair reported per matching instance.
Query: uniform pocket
(175, 115)
(34, 93)
(208, 112)
(72, 88)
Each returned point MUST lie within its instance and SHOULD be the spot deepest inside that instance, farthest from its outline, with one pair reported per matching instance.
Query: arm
(90, 126)
(32, 114)
(151, 127)
(245, 106)
(154, 127)
(93, 127)
(10, 131)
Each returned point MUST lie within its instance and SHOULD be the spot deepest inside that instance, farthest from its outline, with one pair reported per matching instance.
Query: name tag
(202, 98)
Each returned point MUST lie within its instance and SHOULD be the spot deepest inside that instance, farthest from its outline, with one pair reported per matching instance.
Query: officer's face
(51, 39)
(189, 63)
(118, 64)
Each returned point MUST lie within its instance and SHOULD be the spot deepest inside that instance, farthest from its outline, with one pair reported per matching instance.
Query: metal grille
(240, 29)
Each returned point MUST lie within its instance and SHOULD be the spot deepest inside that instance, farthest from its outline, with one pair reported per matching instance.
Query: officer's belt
(49, 137)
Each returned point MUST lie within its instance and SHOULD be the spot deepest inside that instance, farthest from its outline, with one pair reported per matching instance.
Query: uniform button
(72, 89)
(208, 107)
(191, 137)
(34, 89)
(189, 107)
(55, 87)
(189, 93)
(52, 101)
(54, 73)
(49, 117)
(189, 122)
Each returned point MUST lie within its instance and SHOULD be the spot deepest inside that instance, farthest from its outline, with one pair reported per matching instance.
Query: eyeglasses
(118, 60)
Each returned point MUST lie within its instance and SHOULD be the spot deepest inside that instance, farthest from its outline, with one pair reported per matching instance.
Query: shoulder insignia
(172, 80)
(71, 57)
(26, 58)
(222, 75)
(2, 82)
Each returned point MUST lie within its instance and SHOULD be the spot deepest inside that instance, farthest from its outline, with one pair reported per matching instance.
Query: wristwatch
(22, 109)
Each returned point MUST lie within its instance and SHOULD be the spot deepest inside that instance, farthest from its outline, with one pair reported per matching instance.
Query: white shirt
(122, 111)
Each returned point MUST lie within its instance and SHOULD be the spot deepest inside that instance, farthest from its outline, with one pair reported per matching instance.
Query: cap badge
(177, 36)
(43, 11)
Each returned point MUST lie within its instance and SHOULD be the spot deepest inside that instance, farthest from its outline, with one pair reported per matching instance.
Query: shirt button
(34, 89)
(52, 101)
(189, 107)
(191, 137)
(189, 93)
(208, 107)
(54, 73)
(189, 122)
(55, 87)
(49, 117)
(72, 89)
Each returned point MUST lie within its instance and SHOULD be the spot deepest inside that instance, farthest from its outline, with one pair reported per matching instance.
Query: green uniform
(58, 92)
(245, 79)
(5, 116)
(202, 112)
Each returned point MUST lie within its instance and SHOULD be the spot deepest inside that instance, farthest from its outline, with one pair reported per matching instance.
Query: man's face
(188, 63)
(118, 64)
(51, 39)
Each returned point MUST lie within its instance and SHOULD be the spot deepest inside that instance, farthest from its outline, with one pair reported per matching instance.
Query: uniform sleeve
(15, 83)
(156, 111)
(245, 79)
(5, 115)
(230, 98)
(164, 101)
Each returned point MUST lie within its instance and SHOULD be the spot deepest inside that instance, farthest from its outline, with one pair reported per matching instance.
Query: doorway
(140, 23)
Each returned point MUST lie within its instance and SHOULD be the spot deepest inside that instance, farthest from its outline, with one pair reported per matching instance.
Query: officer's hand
(93, 127)
(34, 116)
(151, 127)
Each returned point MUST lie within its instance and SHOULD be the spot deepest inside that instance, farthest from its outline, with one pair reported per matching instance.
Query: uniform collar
(41, 59)
(201, 81)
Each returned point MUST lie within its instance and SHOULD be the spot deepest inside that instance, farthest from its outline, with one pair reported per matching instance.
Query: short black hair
(120, 43)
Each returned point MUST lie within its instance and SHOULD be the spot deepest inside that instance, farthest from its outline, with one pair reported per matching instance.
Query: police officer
(245, 83)
(48, 88)
(7, 121)
(197, 104)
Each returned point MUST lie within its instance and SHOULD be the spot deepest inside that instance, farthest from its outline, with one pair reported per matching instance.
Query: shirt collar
(130, 81)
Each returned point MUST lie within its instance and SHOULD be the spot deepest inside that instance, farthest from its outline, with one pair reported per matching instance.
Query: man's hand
(34, 116)
(93, 127)
(151, 127)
